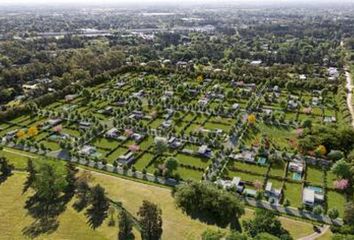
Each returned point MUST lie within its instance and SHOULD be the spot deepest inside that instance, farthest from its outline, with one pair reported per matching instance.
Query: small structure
(11, 135)
(234, 183)
(166, 124)
(112, 133)
(87, 150)
(235, 106)
(312, 196)
(126, 158)
(246, 155)
(137, 137)
(173, 142)
(204, 151)
(256, 62)
(302, 77)
(329, 119)
(250, 193)
(84, 125)
(70, 97)
(273, 194)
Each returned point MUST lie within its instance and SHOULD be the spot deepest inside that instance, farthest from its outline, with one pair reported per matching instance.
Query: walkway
(349, 87)
(316, 235)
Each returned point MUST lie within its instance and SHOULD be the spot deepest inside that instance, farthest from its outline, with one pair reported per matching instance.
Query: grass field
(176, 224)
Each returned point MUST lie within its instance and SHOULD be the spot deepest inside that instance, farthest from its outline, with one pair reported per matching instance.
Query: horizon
(155, 3)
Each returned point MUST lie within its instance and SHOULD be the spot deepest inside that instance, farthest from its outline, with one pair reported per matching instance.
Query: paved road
(316, 235)
(349, 87)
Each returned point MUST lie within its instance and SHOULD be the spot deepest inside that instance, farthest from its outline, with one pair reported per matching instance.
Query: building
(173, 142)
(112, 133)
(126, 158)
(70, 97)
(87, 150)
(273, 194)
(234, 183)
(312, 196)
(84, 125)
(204, 151)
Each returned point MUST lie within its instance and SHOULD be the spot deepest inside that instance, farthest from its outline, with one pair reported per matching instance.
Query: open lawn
(292, 192)
(314, 175)
(176, 224)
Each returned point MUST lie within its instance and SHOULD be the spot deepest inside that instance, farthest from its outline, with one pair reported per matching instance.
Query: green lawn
(118, 152)
(336, 200)
(314, 175)
(292, 192)
(105, 143)
(143, 161)
(277, 169)
(251, 167)
(192, 160)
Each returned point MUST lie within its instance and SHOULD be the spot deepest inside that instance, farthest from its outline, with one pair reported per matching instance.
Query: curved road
(349, 87)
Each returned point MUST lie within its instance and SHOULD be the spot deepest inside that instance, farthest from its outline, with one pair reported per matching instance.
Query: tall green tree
(97, 212)
(31, 171)
(125, 226)
(150, 220)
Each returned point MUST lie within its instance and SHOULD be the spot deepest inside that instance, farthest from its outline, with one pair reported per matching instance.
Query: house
(329, 119)
(136, 114)
(112, 133)
(169, 113)
(203, 102)
(273, 194)
(108, 110)
(126, 158)
(296, 166)
(51, 123)
(292, 104)
(256, 62)
(234, 183)
(247, 156)
(87, 150)
(316, 101)
(235, 106)
(276, 88)
(333, 73)
(137, 137)
(119, 84)
(139, 94)
(84, 125)
(70, 97)
(10, 135)
(166, 124)
(312, 196)
(204, 151)
(173, 142)
(302, 77)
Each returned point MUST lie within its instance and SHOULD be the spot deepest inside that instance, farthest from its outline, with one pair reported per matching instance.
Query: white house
(312, 196)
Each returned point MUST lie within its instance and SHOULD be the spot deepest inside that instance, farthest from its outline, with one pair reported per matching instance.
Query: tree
(209, 203)
(251, 119)
(125, 227)
(321, 150)
(171, 164)
(20, 134)
(160, 147)
(32, 131)
(212, 235)
(97, 212)
(5, 169)
(70, 178)
(150, 220)
(348, 217)
(341, 169)
(265, 221)
(318, 210)
(333, 213)
(30, 177)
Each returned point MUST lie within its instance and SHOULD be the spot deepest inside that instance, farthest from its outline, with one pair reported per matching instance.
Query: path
(316, 235)
(18, 153)
(349, 87)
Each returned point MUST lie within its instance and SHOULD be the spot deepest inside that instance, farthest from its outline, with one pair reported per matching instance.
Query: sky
(158, 2)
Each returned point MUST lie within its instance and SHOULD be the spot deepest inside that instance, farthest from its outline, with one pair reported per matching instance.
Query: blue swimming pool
(297, 176)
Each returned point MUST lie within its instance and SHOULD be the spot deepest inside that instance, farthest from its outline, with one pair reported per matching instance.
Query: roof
(308, 195)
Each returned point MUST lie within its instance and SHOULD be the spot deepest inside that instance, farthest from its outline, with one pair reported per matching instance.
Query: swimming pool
(297, 176)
